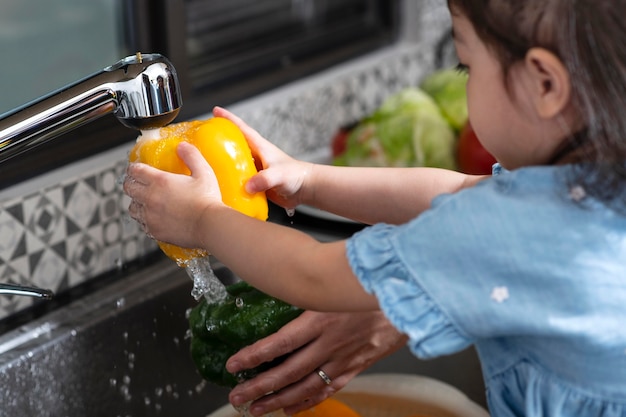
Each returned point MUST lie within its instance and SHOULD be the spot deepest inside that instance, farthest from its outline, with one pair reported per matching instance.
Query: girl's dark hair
(589, 36)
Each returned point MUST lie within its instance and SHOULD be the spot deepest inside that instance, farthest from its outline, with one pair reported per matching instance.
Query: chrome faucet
(141, 90)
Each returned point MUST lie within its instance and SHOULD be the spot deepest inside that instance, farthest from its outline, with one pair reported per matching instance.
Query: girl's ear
(550, 80)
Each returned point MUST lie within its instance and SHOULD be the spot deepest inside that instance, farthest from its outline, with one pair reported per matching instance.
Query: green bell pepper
(219, 330)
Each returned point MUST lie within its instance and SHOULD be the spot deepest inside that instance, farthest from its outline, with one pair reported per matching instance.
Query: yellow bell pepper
(225, 148)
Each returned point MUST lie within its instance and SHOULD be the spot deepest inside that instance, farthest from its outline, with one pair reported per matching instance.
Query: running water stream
(205, 282)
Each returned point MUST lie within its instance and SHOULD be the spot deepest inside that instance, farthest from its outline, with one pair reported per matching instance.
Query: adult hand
(340, 344)
(282, 177)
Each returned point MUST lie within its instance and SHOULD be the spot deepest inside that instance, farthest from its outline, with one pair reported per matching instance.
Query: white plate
(398, 395)
(321, 214)
(322, 157)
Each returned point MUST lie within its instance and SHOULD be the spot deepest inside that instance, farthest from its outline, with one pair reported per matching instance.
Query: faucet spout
(141, 90)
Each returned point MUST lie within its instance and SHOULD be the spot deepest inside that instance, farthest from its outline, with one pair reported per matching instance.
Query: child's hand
(169, 206)
(280, 176)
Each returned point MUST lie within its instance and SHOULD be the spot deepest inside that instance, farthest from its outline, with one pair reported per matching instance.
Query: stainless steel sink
(122, 351)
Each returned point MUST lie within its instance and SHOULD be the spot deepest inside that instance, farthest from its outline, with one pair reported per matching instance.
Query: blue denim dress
(531, 271)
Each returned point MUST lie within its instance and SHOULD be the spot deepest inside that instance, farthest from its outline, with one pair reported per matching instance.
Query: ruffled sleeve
(408, 307)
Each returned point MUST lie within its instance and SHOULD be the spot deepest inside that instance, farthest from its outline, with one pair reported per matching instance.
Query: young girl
(528, 265)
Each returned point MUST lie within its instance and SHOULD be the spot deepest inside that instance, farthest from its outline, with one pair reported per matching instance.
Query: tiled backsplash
(68, 226)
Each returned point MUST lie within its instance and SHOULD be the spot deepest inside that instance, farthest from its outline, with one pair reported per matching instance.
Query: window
(48, 44)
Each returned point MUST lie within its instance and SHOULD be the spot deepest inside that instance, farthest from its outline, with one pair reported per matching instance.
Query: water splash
(151, 133)
(205, 283)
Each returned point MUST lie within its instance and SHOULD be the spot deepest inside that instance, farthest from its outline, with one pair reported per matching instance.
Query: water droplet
(290, 212)
(113, 382)
(200, 387)
(239, 302)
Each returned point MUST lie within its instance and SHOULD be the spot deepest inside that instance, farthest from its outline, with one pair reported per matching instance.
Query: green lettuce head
(408, 129)
(447, 88)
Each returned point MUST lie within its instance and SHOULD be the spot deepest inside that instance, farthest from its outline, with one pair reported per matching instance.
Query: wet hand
(341, 345)
(282, 177)
(169, 206)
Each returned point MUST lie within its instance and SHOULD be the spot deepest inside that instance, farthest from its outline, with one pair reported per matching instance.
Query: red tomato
(338, 144)
(472, 158)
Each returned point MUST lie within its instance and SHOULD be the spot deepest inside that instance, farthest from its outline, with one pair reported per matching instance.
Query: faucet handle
(11, 289)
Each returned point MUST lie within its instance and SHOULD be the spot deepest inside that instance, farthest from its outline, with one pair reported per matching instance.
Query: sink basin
(122, 351)
(118, 352)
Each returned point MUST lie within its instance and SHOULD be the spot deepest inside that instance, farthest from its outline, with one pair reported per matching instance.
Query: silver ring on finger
(324, 377)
